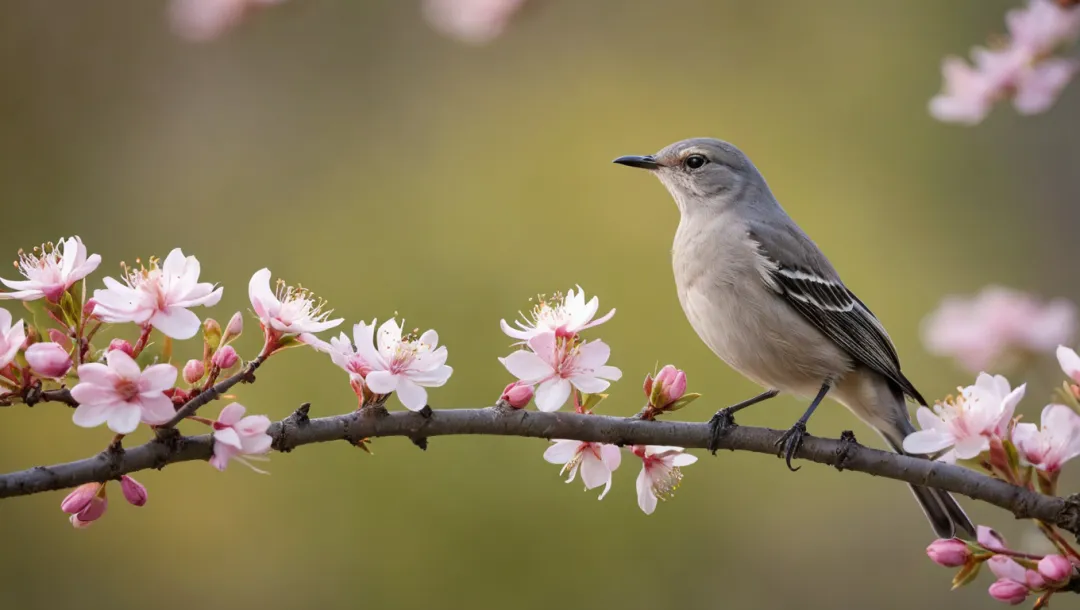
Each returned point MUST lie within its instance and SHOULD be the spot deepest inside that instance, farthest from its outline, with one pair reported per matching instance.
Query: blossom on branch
(86, 504)
(288, 311)
(997, 325)
(160, 296)
(121, 395)
(661, 473)
(965, 424)
(563, 315)
(595, 460)
(12, 337)
(557, 363)
(236, 436)
(50, 270)
(49, 360)
(1057, 441)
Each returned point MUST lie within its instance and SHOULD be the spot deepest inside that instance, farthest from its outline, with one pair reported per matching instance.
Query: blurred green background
(348, 147)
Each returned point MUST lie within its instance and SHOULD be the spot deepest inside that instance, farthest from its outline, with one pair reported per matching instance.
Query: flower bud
(948, 552)
(668, 387)
(194, 371)
(517, 394)
(48, 360)
(79, 498)
(1056, 569)
(211, 334)
(990, 539)
(225, 358)
(134, 492)
(234, 327)
(122, 345)
(1008, 591)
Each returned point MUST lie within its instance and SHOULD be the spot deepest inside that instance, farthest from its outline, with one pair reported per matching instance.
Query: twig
(247, 374)
(1062, 512)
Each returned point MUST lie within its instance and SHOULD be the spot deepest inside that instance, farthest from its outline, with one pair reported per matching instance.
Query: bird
(765, 299)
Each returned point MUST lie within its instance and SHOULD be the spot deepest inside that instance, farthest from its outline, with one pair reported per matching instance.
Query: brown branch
(298, 429)
(247, 375)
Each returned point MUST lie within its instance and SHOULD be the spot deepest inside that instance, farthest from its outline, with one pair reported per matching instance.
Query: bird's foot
(719, 425)
(789, 443)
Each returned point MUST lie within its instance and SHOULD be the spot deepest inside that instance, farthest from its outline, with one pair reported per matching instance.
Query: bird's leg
(790, 441)
(724, 420)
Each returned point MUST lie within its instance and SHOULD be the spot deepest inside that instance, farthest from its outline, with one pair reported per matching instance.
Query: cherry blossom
(1056, 442)
(399, 364)
(289, 310)
(48, 359)
(966, 424)
(517, 394)
(980, 331)
(12, 337)
(120, 395)
(595, 460)
(160, 296)
(236, 436)
(949, 552)
(1010, 574)
(134, 491)
(86, 503)
(471, 21)
(1042, 26)
(660, 473)
(557, 364)
(564, 315)
(50, 270)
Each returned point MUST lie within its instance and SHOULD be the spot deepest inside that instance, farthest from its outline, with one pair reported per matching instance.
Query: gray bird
(765, 299)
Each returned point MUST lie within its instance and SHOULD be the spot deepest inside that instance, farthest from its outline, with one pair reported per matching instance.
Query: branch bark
(298, 429)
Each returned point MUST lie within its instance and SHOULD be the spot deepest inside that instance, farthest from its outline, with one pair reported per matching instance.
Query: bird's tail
(940, 508)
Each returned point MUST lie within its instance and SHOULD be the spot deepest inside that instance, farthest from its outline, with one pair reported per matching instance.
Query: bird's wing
(798, 271)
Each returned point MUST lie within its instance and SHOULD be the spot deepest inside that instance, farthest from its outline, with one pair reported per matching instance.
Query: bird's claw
(789, 444)
(720, 423)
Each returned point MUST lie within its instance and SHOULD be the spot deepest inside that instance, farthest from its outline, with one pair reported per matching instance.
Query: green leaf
(966, 574)
(686, 399)
(589, 401)
(211, 334)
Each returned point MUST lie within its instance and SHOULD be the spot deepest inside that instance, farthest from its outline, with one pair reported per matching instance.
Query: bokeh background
(349, 147)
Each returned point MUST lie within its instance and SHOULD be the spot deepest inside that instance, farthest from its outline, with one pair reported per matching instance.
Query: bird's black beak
(644, 162)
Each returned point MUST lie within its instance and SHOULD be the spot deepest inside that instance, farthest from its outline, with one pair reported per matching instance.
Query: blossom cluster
(979, 427)
(1022, 67)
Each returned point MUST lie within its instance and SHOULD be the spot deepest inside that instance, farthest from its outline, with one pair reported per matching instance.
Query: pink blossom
(12, 338)
(1006, 569)
(949, 552)
(660, 473)
(966, 424)
(403, 365)
(236, 436)
(989, 539)
(159, 296)
(1070, 362)
(194, 370)
(119, 394)
(557, 363)
(669, 386)
(565, 316)
(234, 328)
(1057, 442)
(48, 360)
(288, 310)
(204, 20)
(1008, 591)
(1056, 569)
(134, 491)
(997, 322)
(225, 358)
(517, 394)
(1042, 26)
(86, 504)
(51, 270)
(471, 21)
(596, 461)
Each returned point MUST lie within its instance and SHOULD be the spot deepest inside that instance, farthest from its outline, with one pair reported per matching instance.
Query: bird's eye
(695, 161)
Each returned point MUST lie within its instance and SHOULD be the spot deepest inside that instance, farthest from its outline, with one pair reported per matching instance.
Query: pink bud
(79, 498)
(669, 386)
(122, 345)
(990, 539)
(194, 371)
(948, 552)
(518, 394)
(48, 360)
(1008, 591)
(234, 327)
(1055, 569)
(134, 492)
(225, 358)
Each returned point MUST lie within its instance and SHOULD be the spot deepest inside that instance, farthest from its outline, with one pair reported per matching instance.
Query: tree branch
(298, 429)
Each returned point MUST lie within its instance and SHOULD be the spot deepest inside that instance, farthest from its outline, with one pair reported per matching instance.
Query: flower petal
(91, 415)
(645, 497)
(382, 382)
(176, 322)
(927, 441)
(413, 396)
(561, 451)
(551, 395)
(527, 366)
(124, 418)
